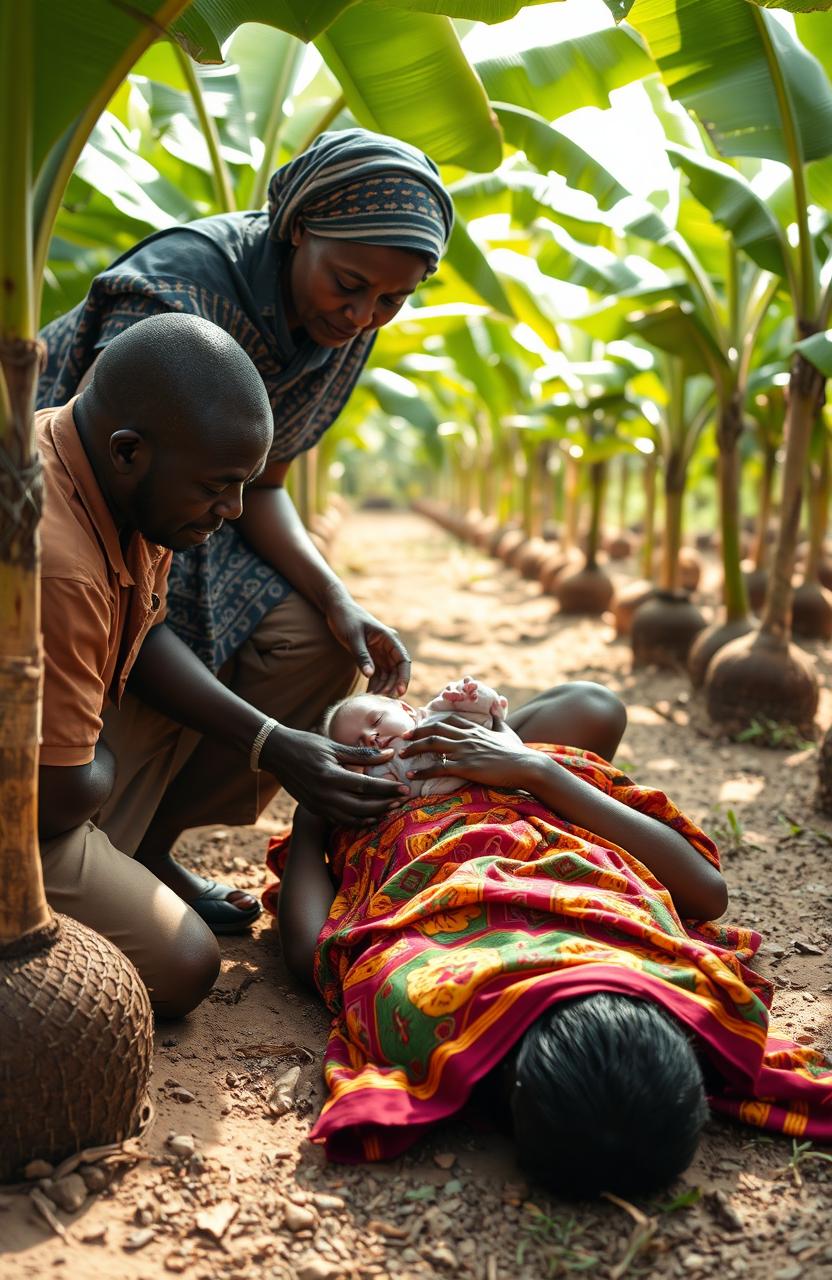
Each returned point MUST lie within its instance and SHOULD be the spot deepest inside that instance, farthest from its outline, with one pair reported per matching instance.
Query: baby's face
(371, 720)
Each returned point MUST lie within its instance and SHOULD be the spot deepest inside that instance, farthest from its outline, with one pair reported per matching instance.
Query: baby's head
(368, 720)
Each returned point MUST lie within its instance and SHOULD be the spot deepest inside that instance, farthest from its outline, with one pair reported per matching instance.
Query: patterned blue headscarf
(357, 185)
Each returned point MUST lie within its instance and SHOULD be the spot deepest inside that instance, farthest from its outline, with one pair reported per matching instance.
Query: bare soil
(257, 1199)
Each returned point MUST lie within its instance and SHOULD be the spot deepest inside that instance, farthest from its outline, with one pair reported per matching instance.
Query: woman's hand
(495, 757)
(312, 769)
(379, 653)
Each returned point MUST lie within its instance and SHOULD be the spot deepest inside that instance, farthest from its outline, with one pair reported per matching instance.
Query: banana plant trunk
(649, 517)
(597, 488)
(571, 501)
(820, 483)
(806, 386)
(23, 906)
(674, 497)
(761, 555)
(729, 430)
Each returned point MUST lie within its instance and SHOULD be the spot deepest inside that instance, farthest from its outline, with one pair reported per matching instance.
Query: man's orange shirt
(98, 599)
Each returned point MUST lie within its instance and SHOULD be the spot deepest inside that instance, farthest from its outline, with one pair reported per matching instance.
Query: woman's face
(340, 288)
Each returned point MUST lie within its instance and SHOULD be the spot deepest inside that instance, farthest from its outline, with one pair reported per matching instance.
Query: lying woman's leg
(579, 714)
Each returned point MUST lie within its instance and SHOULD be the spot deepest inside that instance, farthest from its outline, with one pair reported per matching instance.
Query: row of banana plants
(730, 288)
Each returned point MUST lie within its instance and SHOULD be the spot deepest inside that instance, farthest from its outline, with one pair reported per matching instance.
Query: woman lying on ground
(534, 930)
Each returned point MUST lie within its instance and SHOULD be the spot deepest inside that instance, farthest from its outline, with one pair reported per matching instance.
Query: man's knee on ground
(188, 969)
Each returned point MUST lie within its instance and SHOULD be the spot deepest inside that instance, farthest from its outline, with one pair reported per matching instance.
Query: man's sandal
(220, 915)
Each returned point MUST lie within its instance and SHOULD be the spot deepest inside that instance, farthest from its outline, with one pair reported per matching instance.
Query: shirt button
(154, 601)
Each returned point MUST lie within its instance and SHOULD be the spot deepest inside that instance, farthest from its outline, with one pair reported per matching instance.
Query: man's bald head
(176, 422)
(172, 375)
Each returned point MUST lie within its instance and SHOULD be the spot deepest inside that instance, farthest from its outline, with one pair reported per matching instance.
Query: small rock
(177, 1263)
(387, 1229)
(792, 1272)
(282, 1096)
(182, 1095)
(805, 1037)
(442, 1256)
(139, 1239)
(806, 948)
(724, 1211)
(312, 1267)
(216, 1220)
(68, 1193)
(695, 1261)
(445, 1159)
(94, 1235)
(326, 1202)
(297, 1218)
(37, 1169)
(96, 1177)
(182, 1146)
(231, 1079)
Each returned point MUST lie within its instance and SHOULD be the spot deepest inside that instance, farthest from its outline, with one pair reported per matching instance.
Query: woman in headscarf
(354, 224)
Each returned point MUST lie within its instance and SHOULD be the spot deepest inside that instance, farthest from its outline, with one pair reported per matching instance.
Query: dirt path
(255, 1199)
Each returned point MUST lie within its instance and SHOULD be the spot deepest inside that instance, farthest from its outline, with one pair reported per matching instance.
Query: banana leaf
(550, 150)
(713, 57)
(818, 351)
(406, 74)
(552, 80)
(735, 206)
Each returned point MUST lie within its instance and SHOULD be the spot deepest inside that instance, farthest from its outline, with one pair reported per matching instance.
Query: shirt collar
(73, 455)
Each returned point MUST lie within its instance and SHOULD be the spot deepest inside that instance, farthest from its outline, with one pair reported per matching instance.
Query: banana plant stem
(223, 186)
(805, 385)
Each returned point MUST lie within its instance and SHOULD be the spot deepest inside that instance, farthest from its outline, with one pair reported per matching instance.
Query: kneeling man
(152, 456)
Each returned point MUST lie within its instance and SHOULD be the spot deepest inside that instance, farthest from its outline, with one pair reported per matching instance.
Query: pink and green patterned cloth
(458, 921)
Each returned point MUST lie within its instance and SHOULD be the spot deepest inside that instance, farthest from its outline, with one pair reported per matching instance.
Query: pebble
(313, 1267)
(694, 1261)
(94, 1235)
(68, 1193)
(792, 1272)
(139, 1239)
(442, 1256)
(282, 1096)
(326, 1202)
(37, 1169)
(298, 1218)
(96, 1177)
(181, 1145)
(182, 1095)
(444, 1159)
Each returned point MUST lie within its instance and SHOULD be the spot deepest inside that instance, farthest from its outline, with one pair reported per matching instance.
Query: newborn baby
(372, 720)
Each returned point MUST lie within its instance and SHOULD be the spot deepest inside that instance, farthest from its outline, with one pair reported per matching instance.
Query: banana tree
(758, 92)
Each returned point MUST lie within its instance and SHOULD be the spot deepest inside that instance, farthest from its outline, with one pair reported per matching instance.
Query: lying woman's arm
(482, 755)
(306, 894)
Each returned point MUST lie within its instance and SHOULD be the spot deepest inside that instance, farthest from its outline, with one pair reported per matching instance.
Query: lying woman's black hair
(607, 1096)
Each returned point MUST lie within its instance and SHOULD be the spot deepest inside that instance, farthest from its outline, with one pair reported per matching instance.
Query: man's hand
(379, 653)
(311, 768)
